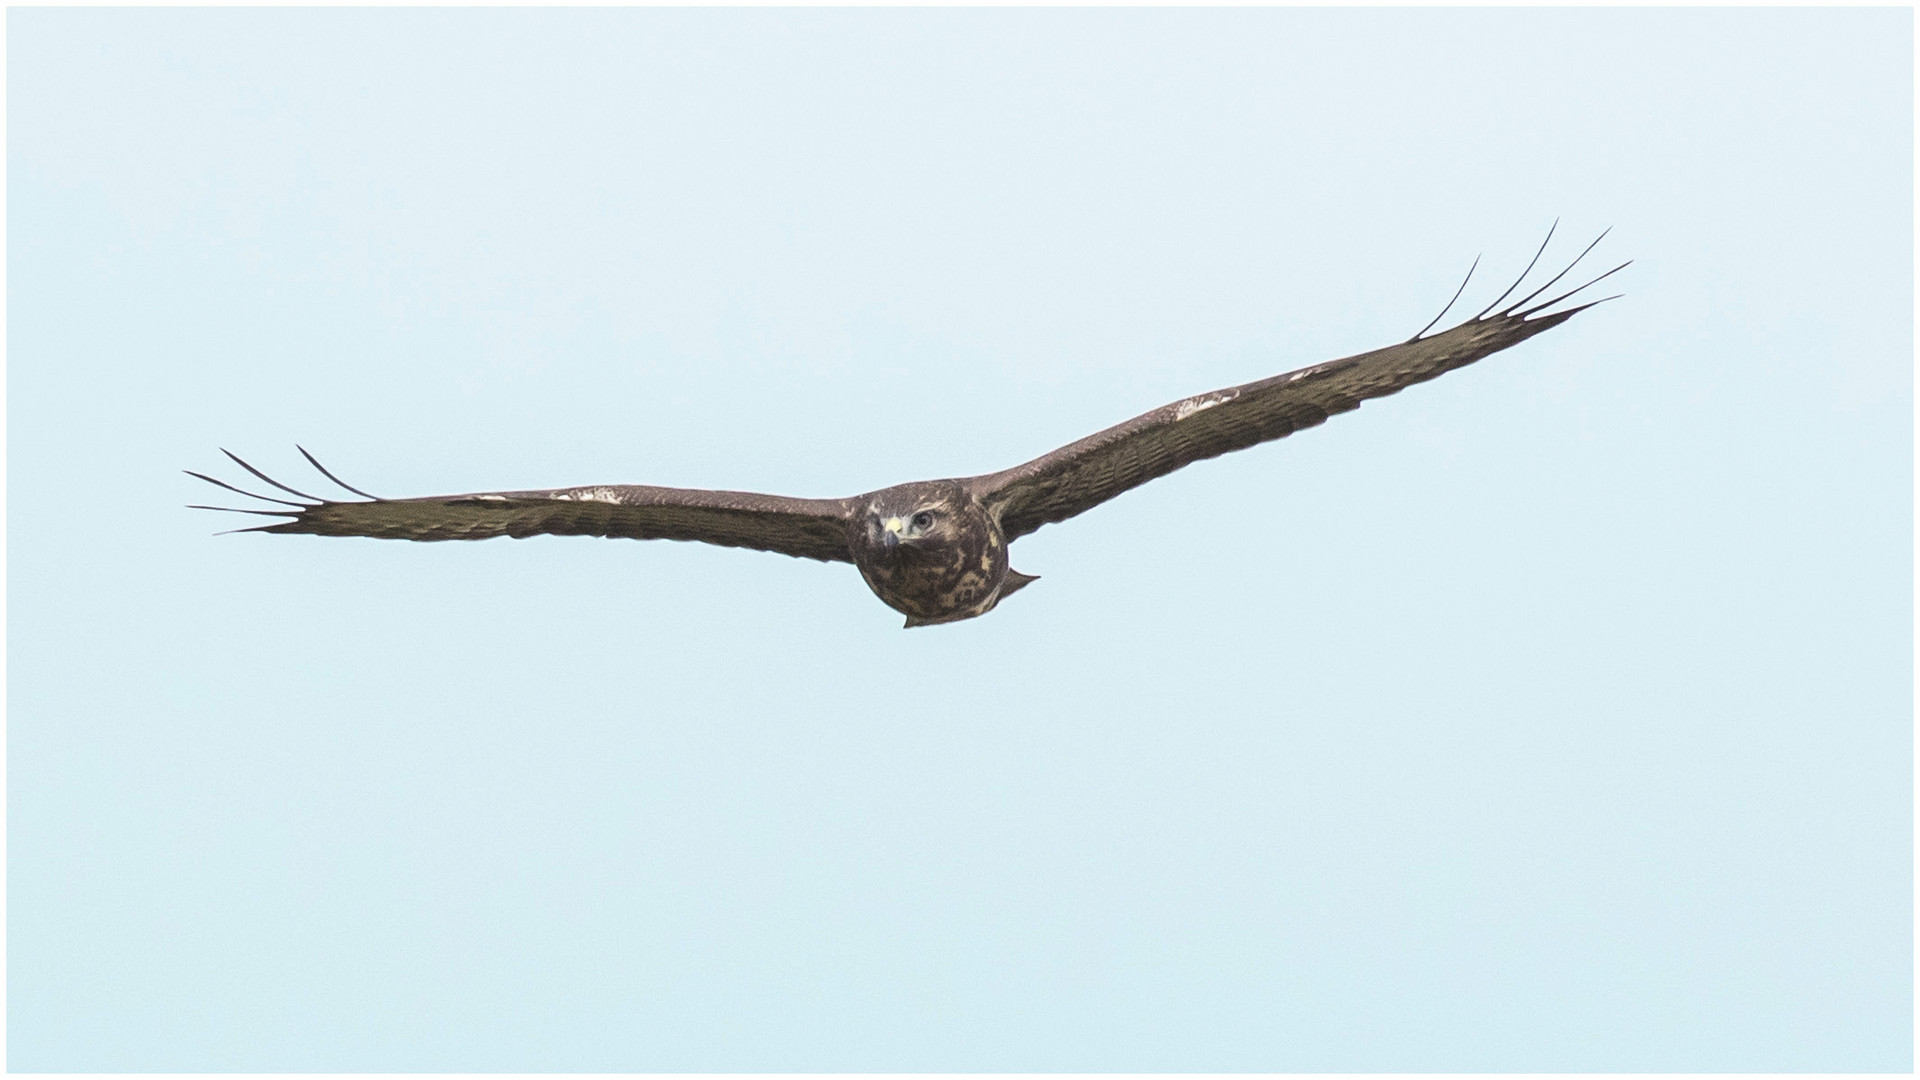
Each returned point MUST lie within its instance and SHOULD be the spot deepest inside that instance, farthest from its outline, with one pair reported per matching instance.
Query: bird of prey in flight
(936, 550)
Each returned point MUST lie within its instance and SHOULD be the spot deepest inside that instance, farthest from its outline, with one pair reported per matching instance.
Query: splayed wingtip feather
(315, 462)
(1518, 304)
(1571, 292)
(1531, 263)
(242, 491)
(268, 479)
(1450, 303)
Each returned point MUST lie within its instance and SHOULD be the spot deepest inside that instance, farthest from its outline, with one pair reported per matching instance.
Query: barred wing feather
(1084, 474)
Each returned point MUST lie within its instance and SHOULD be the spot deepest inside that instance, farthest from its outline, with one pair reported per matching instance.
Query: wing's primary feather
(1084, 474)
(803, 528)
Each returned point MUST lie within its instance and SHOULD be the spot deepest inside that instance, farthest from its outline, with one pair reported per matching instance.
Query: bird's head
(930, 550)
(912, 518)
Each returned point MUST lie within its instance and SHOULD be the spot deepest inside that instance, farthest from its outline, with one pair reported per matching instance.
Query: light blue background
(1555, 715)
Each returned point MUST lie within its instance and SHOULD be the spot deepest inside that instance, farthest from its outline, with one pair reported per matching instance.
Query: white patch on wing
(492, 498)
(592, 494)
(1205, 401)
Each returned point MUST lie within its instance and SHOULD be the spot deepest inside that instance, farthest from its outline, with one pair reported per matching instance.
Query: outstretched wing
(803, 528)
(1084, 474)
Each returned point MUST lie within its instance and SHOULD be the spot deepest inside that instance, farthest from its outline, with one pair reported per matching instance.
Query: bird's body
(936, 550)
(931, 551)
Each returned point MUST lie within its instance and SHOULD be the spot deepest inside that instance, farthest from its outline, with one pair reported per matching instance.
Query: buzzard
(936, 550)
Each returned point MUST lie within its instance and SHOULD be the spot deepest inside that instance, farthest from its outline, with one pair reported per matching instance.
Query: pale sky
(1555, 715)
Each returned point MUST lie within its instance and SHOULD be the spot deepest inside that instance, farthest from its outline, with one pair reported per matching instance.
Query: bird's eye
(922, 520)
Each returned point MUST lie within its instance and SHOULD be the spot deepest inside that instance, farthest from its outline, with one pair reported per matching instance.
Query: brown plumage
(937, 550)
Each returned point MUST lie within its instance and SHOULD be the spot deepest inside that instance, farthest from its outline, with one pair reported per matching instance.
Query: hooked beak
(891, 532)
